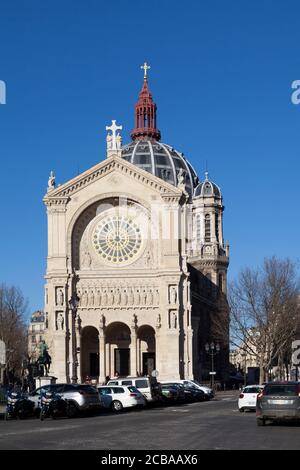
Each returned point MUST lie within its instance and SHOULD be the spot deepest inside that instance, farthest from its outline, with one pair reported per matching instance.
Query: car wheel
(241, 410)
(260, 422)
(117, 405)
(71, 410)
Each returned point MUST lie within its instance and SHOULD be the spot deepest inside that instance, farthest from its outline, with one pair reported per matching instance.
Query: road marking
(38, 430)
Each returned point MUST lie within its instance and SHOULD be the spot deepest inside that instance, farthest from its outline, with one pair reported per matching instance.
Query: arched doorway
(118, 339)
(146, 349)
(90, 352)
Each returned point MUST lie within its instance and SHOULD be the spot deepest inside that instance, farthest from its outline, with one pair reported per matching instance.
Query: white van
(148, 386)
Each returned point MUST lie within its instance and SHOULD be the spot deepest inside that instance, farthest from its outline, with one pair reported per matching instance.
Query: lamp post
(212, 349)
(73, 303)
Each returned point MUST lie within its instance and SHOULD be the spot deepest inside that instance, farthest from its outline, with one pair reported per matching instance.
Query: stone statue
(84, 299)
(130, 296)
(119, 141)
(117, 297)
(134, 321)
(60, 297)
(137, 297)
(86, 259)
(102, 321)
(91, 298)
(51, 181)
(149, 297)
(98, 298)
(173, 295)
(77, 322)
(156, 297)
(124, 297)
(158, 321)
(181, 178)
(173, 320)
(104, 297)
(109, 141)
(60, 321)
(144, 297)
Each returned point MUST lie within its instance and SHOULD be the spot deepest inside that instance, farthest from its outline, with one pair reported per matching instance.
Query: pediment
(113, 165)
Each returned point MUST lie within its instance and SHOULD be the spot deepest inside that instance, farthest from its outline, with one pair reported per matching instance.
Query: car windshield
(252, 390)
(141, 384)
(281, 390)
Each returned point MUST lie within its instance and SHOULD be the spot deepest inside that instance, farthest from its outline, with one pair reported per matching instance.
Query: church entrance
(122, 364)
(118, 341)
(146, 349)
(90, 353)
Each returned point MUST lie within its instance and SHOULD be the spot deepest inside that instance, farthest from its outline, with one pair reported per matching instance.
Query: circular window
(117, 239)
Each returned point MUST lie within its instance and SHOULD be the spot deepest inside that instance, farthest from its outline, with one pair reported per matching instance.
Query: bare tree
(13, 307)
(265, 311)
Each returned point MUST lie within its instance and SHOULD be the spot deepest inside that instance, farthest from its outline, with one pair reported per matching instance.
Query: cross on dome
(146, 67)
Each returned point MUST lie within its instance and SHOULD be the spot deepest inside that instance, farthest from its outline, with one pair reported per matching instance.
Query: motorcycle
(53, 405)
(19, 406)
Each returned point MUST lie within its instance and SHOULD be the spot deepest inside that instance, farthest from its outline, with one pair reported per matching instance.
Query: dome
(207, 189)
(161, 160)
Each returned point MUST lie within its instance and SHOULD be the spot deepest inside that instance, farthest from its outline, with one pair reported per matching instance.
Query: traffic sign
(155, 373)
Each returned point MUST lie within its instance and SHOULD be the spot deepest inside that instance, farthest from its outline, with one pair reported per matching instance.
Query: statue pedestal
(45, 380)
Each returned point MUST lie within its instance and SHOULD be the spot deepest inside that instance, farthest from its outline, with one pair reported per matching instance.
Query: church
(137, 265)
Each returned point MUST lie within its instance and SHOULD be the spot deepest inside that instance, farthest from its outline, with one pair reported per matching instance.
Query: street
(210, 425)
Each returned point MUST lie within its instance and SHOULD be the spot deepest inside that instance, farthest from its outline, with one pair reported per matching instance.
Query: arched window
(198, 227)
(207, 228)
(217, 226)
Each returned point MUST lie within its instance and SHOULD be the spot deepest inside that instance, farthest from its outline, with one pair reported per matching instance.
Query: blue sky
(221, 74)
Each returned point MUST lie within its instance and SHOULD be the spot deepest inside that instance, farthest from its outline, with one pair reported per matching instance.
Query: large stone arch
(78, 242)
(89, 353)
(95, 201)
(146, 349)
(118, 345)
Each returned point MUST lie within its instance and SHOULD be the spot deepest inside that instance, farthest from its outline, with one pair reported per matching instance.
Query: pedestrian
(107, 379)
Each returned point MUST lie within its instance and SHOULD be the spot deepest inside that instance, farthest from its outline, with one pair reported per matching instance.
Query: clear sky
(221, 75)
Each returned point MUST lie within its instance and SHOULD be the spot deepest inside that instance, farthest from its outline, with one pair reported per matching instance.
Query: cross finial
(113, 139)
(145, 67)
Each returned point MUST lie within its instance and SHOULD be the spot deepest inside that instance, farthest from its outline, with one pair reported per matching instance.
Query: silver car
(278, 401)
(82, 397)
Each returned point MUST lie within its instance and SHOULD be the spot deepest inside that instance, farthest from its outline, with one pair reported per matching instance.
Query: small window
(113, 382)
(207, 228)
(141, 384)
(126, 382)
(105, 391)
(118, 390)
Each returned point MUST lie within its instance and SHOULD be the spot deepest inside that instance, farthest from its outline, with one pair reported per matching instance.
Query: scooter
(19, 406)
(52, 405)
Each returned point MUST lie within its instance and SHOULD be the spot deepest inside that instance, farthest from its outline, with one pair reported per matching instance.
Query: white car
(248, 397)
(209, 393)
(119, 397)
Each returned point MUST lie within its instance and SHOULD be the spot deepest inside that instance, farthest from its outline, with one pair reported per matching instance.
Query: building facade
(137, 264)
(36, 334)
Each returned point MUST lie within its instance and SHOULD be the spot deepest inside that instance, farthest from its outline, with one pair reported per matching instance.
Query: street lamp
(212, 349)
(73, 303)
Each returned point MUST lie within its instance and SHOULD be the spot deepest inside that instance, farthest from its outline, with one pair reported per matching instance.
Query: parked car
(208, 392)
(191, 394)
(81, 397)
(119, 397)
(148, 386)
(172, 394)
(278, 401)
(248, 397)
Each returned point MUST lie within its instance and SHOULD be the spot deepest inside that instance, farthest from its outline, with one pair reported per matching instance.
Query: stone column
(102, 350)
(133, 347)
(78, 351)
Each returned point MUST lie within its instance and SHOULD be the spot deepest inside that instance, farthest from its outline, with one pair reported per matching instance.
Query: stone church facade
(137, 265)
